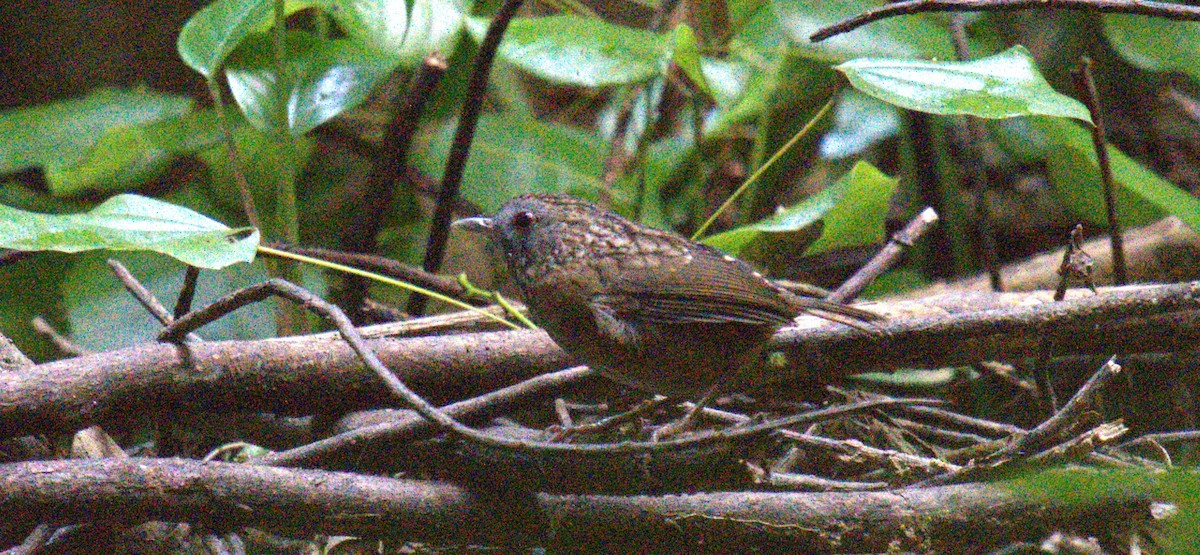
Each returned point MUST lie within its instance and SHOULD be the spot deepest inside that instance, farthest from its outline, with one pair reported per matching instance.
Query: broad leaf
(914, 36)
(853, 209)
(512, 154)
(321, 78)
(131, 222)
(217, 29)
(1142, 195)
(108, 140)
(214, 32)
(858, 214)
(581, 51)
(1002, 86)
(404, 31)
(1155, 44)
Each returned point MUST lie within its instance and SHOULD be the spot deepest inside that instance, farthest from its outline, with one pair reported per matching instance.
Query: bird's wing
(705, 286)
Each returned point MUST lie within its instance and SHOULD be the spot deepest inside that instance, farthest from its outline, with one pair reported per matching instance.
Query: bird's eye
(523, 220)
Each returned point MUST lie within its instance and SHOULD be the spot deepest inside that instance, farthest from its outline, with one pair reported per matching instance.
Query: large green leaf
(581, 51)
(131, 222)
(685, 54)
(269, 166)
(859, 122)
(914, 36)
(214, 32)
(1001, 86)
(406, 31)
(1142, 195)
(321, 78)
(512, 154)
(217, 29)
(853, 209)
(107, 140)
(1155, 44)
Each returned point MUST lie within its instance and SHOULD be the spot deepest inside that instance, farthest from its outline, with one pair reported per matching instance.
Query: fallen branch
(951, 519)
(305, 375)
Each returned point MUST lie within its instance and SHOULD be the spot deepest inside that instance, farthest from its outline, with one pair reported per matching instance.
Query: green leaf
(910, 378)
(1155, 44)
(686, 55)
(1001, 86)
(214, 32)
(217, 29)
(512, 155)
(1142, 196)
(857, 217)
(853, 209)
(913, 36)
(131, 222)
(394, 29)
(859, 122)
(108, 141)
(65, 130)
(580, 51)
(321, 79)
(129, 156)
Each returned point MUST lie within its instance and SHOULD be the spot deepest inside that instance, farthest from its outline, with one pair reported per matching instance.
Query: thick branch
(302, 502)
(306, 375)
(297, 375)
(1136, 7)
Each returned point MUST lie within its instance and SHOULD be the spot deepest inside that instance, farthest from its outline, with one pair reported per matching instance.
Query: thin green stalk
(384, 279)
(235, 162)
(812, 122)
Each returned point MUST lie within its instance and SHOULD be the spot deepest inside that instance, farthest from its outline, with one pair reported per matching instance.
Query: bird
(645, 307)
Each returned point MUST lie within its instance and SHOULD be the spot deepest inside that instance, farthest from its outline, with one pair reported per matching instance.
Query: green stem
(235, 162)
(384, 279)
(763, 168)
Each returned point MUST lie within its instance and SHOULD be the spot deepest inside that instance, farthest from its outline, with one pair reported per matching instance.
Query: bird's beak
(474, 225)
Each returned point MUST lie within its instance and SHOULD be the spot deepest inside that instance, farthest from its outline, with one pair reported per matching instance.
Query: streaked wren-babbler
(646, 308)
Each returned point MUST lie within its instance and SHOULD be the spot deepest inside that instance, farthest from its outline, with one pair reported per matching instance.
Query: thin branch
(187, 293)
(1134, 7)
(1085, 84)
(60, 341)
(461, 146)
(939, 256)
(887, 257)
(1081, 401)
(231, 153)
(446, 285)
(965, 421)
(34, 542)
(139, 292)
(144, 296)
(405, 428)
(388, 171)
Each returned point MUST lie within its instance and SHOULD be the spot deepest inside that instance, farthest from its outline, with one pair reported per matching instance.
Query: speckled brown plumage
(647, 308)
